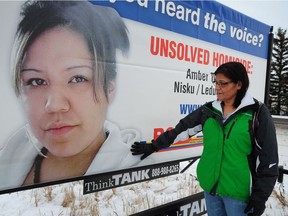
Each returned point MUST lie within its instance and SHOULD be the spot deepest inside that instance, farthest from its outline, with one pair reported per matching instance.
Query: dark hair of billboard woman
(81, 17)
(64, 69)
(239, 142)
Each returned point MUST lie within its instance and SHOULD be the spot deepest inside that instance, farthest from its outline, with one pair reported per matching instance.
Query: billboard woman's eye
(78, 79)
(35, 82)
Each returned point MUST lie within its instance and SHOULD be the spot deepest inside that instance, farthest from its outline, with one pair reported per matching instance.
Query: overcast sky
(273, 13)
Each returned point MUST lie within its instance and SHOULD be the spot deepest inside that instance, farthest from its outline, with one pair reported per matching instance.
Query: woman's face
(58, 93)
(226, 89)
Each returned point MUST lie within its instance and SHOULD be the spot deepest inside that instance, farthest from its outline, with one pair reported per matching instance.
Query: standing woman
(239, 164)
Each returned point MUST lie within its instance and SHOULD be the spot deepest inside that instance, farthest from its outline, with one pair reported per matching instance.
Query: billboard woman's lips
(60, 130)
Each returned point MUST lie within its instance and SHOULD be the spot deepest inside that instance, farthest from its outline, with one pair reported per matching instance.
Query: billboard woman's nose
(57, 101)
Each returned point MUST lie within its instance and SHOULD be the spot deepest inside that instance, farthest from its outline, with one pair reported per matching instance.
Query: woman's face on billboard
(58, 94)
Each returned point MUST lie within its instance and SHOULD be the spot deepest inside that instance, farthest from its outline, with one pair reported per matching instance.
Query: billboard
(81, 86)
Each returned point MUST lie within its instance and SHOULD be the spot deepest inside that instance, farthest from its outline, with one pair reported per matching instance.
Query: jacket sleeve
(187, 127)
(266, 171)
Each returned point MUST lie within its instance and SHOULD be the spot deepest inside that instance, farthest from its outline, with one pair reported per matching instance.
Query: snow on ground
(277, 204)
(68, 199)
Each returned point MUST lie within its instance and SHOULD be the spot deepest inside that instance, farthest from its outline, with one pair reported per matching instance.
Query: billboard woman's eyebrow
(30, 69)
(79, 66)
(69, 68)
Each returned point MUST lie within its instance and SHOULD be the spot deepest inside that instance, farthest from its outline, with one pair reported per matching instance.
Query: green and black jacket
(238, 160)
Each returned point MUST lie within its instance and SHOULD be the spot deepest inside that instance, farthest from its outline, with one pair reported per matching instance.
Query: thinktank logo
(129, 176)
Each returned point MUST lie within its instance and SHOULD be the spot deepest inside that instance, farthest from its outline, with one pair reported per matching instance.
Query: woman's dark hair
(236, 72)
(101, 27)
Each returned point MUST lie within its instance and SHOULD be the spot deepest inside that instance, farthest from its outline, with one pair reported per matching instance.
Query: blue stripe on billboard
(209, 21)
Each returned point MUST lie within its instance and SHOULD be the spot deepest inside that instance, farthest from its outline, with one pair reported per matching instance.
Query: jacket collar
(246, 101)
